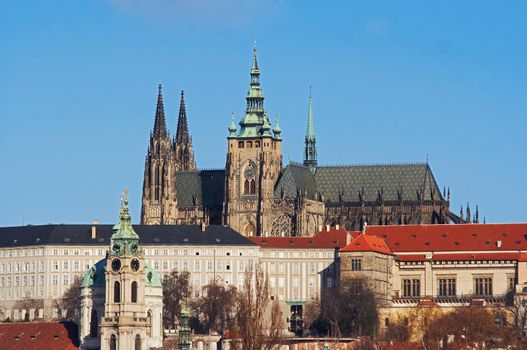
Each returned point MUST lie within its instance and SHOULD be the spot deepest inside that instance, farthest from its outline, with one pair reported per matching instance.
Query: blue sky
(393, 81)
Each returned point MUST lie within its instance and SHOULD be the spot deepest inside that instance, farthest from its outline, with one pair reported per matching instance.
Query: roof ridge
(210, 169)
(372, 164)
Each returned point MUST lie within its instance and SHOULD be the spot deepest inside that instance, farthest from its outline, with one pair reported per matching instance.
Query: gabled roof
(452, 238)
(325, 239)
(39, 335)
(393, 180)
(295, 177)
(148, 234)
(364, 243)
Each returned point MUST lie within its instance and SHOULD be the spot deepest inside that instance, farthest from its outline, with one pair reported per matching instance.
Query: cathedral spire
(310, 142)
(182, 134)
(160, 127)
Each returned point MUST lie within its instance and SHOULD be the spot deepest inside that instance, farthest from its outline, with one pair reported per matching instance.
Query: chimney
(320, 228)
(327, 228)
(95, 222)
(498, 243)
(348, 238)
(337, 227)
(364, 228)
(203, 226)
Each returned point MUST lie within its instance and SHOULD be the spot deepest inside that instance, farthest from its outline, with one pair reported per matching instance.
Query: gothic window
(246, 187)
(94, 324)
(249, 230)
(281, 226)
(117, 292)
(253, 187)
(113, 342)
(134, 292)
(156, 183)
(138, 342)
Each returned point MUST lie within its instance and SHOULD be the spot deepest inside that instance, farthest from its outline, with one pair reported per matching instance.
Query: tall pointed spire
(160, 126)
(182, 134)
(310, 142)
(310, 131)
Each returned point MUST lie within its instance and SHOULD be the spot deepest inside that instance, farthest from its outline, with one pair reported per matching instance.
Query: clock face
(249, 172)
(116, 248)
(135, 264)
(116, 264)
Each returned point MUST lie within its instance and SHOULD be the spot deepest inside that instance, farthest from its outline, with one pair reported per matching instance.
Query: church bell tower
(254, 161)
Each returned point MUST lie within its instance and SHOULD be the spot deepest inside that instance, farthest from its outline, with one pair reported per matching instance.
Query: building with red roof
(441, 265)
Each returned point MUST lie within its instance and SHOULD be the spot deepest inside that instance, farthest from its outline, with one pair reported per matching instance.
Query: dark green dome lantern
(184, 341)
(125, 240)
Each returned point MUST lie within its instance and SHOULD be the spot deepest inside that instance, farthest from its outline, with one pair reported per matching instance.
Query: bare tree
(251, 304)
(70, 301)
(27, 304)
(216, 306)
(312, 317)
(176, 290)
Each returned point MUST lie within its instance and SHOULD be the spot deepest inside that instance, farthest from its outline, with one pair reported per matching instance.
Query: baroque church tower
(254, 162)
(121, 296)
(165, 158)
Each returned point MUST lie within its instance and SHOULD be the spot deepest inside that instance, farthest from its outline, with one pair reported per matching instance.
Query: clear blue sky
(393, 81)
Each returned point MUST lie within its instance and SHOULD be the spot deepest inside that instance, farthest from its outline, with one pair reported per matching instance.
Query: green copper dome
(152, 277)
(95, 275)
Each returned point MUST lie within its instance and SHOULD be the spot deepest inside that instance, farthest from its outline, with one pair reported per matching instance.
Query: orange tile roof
(367, 243)
(325, 239)
(464, 237)
(38, 335)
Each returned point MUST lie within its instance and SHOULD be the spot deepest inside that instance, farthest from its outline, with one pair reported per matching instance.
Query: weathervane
(124, 199)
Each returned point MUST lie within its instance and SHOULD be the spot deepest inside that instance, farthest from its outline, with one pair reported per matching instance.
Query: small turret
(276, 130)
(232, 127)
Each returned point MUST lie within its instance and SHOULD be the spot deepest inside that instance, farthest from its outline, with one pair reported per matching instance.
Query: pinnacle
(182, 134)
(160, 128)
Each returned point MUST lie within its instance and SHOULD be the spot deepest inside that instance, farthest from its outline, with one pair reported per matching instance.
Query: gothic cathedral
(256, 194)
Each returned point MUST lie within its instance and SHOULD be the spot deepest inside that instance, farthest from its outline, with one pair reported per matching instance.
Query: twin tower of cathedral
(256, 195)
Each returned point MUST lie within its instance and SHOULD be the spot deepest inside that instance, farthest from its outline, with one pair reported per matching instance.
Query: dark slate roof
(205, 187)
(149, 234)
(295, 177)
(390, 178)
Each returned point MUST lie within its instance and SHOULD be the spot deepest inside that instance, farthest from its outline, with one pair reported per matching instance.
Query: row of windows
(256, 144)
(297, 255)
(411, 287)
(206, 252)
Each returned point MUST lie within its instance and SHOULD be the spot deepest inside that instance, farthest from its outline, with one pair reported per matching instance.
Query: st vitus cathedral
(257, 195)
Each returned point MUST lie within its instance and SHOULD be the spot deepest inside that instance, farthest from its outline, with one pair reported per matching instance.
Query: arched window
(134, 292)
(156, 183)
(94, 323)
(249, 144)
(138, 342)
(253, 187)
(246, 187)
(113, 342)
(240, 144)
(117, 292)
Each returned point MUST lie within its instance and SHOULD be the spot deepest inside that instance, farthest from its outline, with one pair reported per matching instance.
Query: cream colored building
(40, 262)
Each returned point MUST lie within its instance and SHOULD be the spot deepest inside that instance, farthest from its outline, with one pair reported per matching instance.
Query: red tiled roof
(464, 237)
(325, 239)
(38, 335)
(460, 256)
(365, 243)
